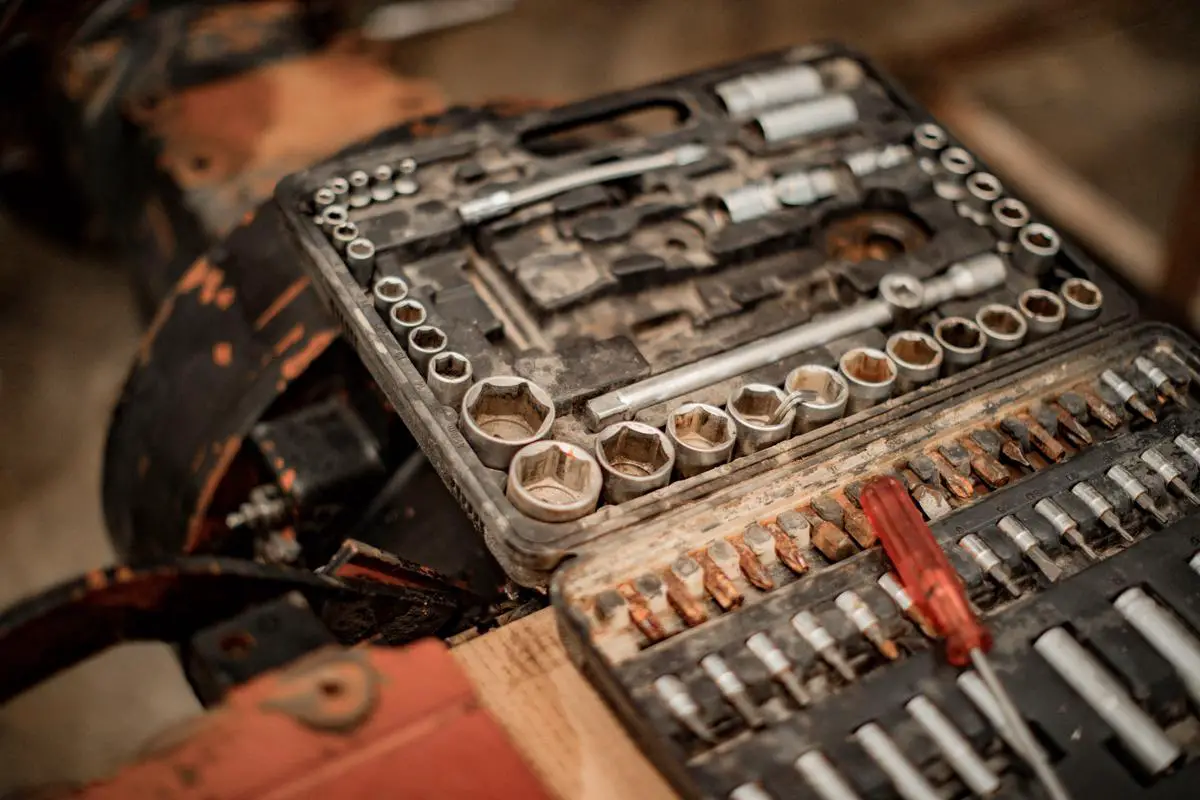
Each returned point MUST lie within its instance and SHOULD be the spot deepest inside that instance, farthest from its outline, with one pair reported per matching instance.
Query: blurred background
(1090, 108)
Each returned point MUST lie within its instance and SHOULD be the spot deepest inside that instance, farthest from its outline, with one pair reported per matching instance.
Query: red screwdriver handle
(924, 570)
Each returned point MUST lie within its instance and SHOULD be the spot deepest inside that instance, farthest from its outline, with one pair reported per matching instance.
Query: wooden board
(558, 722)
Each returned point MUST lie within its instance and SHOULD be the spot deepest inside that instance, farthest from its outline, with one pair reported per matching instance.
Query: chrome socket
(332, 217)
(871, 376)
(360, 189)
(1004, 327)
(634, 459)
(1044, 312)
(1082, 298)
(343, 235)
(703, 437)
(980, 190)
(832, 392)
(404, 316)
(340, 188)
(917, 356)
(1009, 216)
(504, 413)
(449, 376)
(553, 481)
(953, 166)
(425, 342)
(360, 260)
(962, 342)
(821, 115)
(1037, 247)
(754, 408)
(382, 189)
(746, 94)
(928, 140)
(323, 198)
(387, 291)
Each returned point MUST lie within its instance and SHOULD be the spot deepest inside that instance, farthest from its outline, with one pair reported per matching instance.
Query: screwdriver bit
(989, 470)
(957, 456)
(859, 527)
(718, 585)
(612, 610)
(683, 707)
(731, 688)
(1189, 445)
(1160, 380)
(754, 570)
(726, 557)
(644, 619)
(989, 562)
(1103, 509)
(1072, 426)
(828, 509)
(652, 591)
(778, 666)
(685, 582)
(761, 543)
(796, 525)
(924, 468)
(1137, 492)
(1043, 439)
(858, 612)
(1170, 474)
(1064, 525)
(904, 602)
(959, 485)
(1103, 413)
(1024, 539)
(788, 551)
(931, 500)
(1127, 393)
(988, 441)
(811, 630)
(833, 542)
(1014, 449)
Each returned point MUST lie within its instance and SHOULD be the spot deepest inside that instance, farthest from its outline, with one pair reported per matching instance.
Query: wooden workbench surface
(555, 718)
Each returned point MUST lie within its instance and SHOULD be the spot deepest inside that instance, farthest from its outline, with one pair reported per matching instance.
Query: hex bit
(1137, 492)
(858, 612)
(778, 667)
(1170, 474)
(1027, 543)
(1064, 525)
(823, 778)
(732, 689)
(1103, 509)
(1161, 382)
(683, 707)
(1129, 395)
(904, 602)
(989, 562)
(819, 639)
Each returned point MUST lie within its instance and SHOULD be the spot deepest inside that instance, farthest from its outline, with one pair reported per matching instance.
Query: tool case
(592, 254)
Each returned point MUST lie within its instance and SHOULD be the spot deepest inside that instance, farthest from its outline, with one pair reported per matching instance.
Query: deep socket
(1004, 327)
(917, 356)
(1166, 634)
(832, 395)
(871, 376)
(962, 342)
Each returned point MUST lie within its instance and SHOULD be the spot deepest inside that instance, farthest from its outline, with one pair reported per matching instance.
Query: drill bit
(1161, 382)
(1124, 389)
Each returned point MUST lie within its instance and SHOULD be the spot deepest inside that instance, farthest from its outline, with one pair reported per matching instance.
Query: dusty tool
(820, 115)
(388, 291)
(1064, 525)
(1170, 474)
(1137, 492)
(811, 630)
(1028, 544)
(449, 376)
(1162, 383)
(1190, 446)
(821, 393)
(917, 357)
(871, 376)
(955, 748)
(502, 414)
(858, 612)
(892, 588)
(703, 437)
(731, 688)
(1044, 312)
(634, 459)
(1036, 248)
(1166, 634)
(962, 342)
(425, 342)
(823, 778)
(553, 481)
(1129, 395)
(1082, 298)
(746, 94)
(980, 191)
(1009, 216)
(405, 316)
(683, 707)
(1004, 327)
(965, 279)
(778, 667)
(908, 780)
(1103, 509)
(989, 562)
(756, 412)
(360, 259)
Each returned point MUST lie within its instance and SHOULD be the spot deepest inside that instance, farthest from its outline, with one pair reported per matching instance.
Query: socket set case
(678, 356)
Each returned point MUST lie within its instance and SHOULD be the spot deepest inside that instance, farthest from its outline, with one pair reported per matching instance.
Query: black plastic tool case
(596, 288)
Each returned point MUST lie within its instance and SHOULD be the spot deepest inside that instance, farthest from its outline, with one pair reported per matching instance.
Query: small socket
(343, 235)
(753, 408)
(502, 414)
(1004, 327)
(962, 342)
(1009, 216)
(324, 197)
(425, 342)
(1043, 311)
(1082, 298)
(953, 166)
(360, 260)
(703, 437)
(333, 217)
(917, 356)
(406, 315)
(981, 190)
(929, 138)
(449, 377)
(1037, 247)
(634, 459)
(553, 481)
(388, 291)
(870, 375)
(832, 394)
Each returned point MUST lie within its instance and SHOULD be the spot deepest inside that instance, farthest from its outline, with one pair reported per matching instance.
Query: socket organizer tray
(656, 342)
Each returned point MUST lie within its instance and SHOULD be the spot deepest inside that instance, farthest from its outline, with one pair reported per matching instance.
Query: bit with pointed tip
(1160, 380)
(959, 485)
(989, 562)
(904, 602)
(1102, 411)
(1014, 449)
(1189, 445)
(1064, 525)
(1073, 426)
(1099, 505)
(778, 667)
(1124, 389)
(718, 584)
(856, 609)
(753, 568)
(1137, 492)
(644, 619)
(1170, 474)
(1043, 439)
(819, 639)
(788, 551)
(989, 470)
(731, 688)
(931, 500)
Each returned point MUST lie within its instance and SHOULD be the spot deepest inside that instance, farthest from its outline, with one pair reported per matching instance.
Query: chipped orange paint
(290, 338)
(225, 297)
(229, 449)
(287, 479)
(281, 302)
(222, 354)
(316, 345)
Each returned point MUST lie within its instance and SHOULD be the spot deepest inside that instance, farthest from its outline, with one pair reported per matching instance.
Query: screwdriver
(937, 591)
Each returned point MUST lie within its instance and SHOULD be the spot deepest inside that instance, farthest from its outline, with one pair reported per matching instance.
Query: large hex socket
(404, 316)
(870, 374)
(425, 342)
(449, 376)
(635, 459)
(502, 414)
(1082, 298)
(832, 394)
(917, 356)
(754, 407)
(1009, 216)
(1003, 326)
(962, 342)
(388, 291)
(703, 437)
(1044, 312)
(553, 481)
(1036, 249)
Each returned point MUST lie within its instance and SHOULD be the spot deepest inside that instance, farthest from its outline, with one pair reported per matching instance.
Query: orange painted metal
(361, 723)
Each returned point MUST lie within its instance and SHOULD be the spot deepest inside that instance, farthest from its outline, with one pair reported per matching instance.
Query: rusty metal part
(989, 470)
(833, 542)
(856, 524)
(1042, 439)
(1072, 426)
(335, 723)
(787, 550)
(1100, 410)
(873, 236)
(686, 605)
(718, 584)
(754, 570)
(642, 617)
(959, 485)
